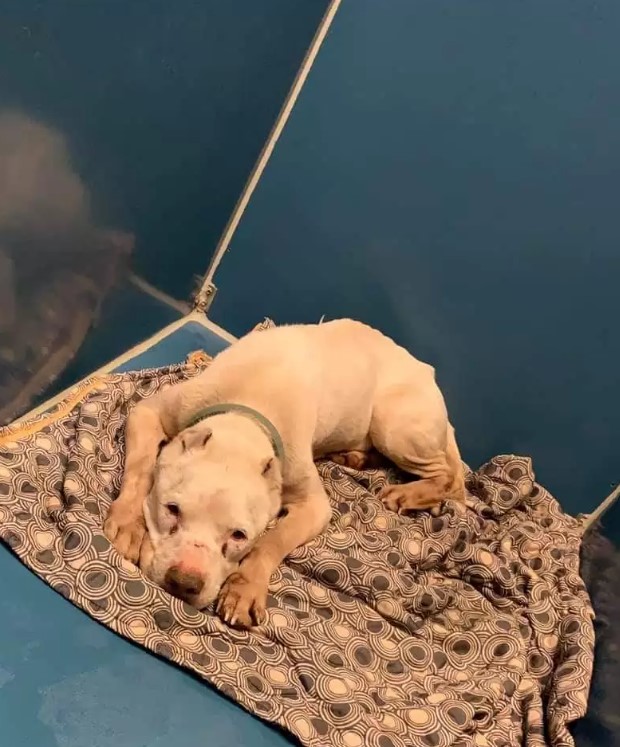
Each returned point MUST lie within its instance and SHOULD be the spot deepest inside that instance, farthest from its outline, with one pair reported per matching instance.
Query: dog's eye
(234, 543)
(174, 511)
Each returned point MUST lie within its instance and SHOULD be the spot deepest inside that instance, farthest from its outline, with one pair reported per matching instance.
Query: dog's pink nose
(182, 582)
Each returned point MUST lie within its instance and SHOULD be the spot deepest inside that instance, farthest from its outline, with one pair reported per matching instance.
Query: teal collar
(225, 407)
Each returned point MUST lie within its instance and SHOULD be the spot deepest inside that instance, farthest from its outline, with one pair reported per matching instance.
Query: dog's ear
(195, 439)
(206, 436)
(161, 445)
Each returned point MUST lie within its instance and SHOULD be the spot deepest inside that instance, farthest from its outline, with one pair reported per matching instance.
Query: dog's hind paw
(357, 459)
(412, 496)
(241, 603)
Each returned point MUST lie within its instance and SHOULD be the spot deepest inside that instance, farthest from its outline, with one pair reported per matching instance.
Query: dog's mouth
(206, 606)
(185, 595)
(201, 593)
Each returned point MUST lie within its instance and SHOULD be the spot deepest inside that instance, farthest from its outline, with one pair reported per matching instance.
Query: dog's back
(319, 377)
(329, 356)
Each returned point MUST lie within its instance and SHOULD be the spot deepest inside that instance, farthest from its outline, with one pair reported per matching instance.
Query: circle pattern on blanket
(386, 630)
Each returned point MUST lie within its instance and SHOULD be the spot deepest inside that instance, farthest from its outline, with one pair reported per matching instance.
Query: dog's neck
(257, 417)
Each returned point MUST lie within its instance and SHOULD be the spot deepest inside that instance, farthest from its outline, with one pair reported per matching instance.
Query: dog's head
(216, 487)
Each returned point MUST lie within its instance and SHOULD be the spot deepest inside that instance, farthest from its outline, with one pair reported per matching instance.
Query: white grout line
(598, 512)
(151, 290)
(270, 144)
(213, 327)
(181, 306)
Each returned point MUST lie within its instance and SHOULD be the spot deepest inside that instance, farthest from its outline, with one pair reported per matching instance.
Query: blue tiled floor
(65, 681)
(172, 349)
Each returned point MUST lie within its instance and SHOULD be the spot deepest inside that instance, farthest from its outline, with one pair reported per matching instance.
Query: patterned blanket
(466, 627)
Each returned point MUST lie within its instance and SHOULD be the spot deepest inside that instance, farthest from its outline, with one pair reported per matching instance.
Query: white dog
(212, 461)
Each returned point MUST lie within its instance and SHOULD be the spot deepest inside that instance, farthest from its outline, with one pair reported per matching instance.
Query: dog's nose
(182, 583)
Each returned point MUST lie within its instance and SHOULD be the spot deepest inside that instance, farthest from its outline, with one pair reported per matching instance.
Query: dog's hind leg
(410, 427)
(358, 459)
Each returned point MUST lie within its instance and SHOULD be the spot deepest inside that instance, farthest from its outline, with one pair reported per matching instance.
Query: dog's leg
(124, 525)
(358, 459)
(414, 432)
(243, 597)
(146, 554)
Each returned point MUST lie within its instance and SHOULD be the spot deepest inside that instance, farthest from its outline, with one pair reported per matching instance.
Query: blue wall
(165, 106)
(451, 174)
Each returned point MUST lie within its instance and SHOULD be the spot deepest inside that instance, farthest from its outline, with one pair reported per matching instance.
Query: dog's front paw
(147, 552)
(241, 603)
(125, 528)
